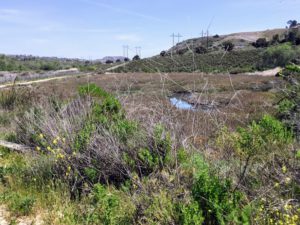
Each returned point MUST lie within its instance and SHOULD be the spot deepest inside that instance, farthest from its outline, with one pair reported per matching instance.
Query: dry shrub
(92, 141)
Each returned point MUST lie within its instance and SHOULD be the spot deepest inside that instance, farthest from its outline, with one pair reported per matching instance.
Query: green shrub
(191, 214)
(111, 207)
(279, 55)
(216, 198)
(228, 46)
(162, 144)
(259, 138)
(286, 106)
(20, 205)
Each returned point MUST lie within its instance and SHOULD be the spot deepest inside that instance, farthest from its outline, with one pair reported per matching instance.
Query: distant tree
(118, 60)
(275, 39)
(216, 36)
(292, 23)
(228, 46)
(200, 50)
(163, 53)
(126, 59)
(291, 37)
(136, 58)
(261, 43)
(109, 61)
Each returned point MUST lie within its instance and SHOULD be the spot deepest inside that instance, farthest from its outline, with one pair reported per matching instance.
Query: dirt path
(5, 218)
(266, 73)
(115, 67)
(25, 83)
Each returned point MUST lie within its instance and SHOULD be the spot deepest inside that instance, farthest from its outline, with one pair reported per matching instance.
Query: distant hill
(207, 54)
(241, 40)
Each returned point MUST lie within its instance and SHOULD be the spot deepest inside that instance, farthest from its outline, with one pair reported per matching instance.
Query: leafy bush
(111, 207)
(258, 138)
(228, 46)
(201, 50)
(279, 55)
(261, 43)
(20, 205)
(216, 198)
(136, 58)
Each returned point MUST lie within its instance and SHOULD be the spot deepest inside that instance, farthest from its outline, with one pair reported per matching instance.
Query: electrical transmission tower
(138, 51)
(125, 50)
(173, 36)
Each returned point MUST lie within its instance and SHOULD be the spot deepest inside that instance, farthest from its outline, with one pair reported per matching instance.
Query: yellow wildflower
(41, 136)
(284, 169)
(49, 148)
(55, 142)
(38, 148)
(287, 180)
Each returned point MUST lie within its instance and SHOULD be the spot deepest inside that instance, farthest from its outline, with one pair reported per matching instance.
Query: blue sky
(95, 28)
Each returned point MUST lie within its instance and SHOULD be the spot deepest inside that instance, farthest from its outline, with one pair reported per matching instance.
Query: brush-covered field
(112, 149)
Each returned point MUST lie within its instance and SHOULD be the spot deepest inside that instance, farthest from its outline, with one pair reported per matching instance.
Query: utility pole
(138, 50)
(173, 36)
(179, 36)
(125, 50)
(207, 33)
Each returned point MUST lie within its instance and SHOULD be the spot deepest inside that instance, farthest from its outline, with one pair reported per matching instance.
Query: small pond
(181, 104)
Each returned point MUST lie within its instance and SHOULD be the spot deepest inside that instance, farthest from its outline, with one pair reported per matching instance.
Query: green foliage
(279, 55)
(84, 136)
(162, 144)
(92, 90)
(285, 106)
(161, 209)
(18, 204)
(258, 138)
(111, 207)
(191, 214)
(151, 160)
(91, 174)
(219, 204)
(293, 68)
(245, 60)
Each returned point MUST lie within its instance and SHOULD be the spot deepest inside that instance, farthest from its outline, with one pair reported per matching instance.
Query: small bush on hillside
(261, 43)
(109, 61)
(136, 58)
(163, 53)
(228, 46)
(201, 50)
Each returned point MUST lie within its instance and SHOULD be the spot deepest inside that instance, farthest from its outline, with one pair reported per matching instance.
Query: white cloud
(128, 37)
